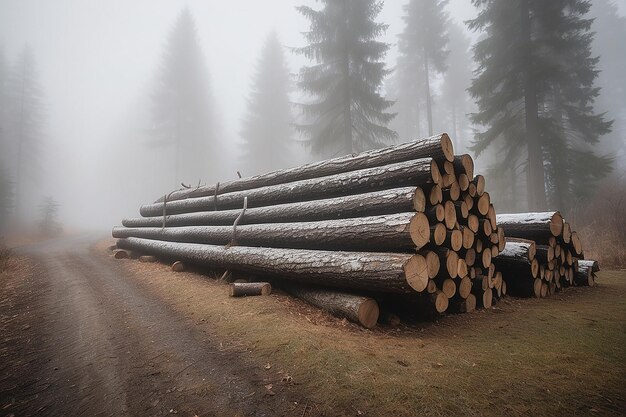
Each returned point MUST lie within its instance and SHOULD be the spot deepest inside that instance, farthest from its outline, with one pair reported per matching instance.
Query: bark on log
(394, 232)
(438, 147)
(415, 173)
(384, 272)
(241, 289)
(356, 308)
(376, 203)
(539, 227)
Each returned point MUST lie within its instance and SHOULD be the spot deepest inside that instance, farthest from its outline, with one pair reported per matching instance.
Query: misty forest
(313, 207)
(152, 97)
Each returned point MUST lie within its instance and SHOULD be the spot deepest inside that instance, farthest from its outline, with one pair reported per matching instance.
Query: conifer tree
(6, 197)
(347, 112)
(24, 123)
(534, 90)
(182, 115)
(423, 45)
(454, 97)
(4, 104)
(267, 128)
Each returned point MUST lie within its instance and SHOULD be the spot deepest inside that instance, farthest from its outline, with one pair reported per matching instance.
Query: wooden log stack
(410, 219)
(411, 223)
(558, 254)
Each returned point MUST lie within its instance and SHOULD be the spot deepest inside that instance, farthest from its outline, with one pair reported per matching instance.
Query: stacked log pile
(553, 259)
(411, 220)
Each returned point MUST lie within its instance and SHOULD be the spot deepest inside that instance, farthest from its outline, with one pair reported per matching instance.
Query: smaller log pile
(411, 220)
(542, 255)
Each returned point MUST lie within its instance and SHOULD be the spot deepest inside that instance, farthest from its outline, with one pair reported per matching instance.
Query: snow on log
(438, 147)
(533, 226)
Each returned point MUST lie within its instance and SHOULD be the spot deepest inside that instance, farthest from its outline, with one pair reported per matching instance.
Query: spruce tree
(423, 45)
(182, 115)
(406, 89)
(4, 104)
(6, 197)
(25, 123)
(347, 112)
(267, 128)
(534, 90)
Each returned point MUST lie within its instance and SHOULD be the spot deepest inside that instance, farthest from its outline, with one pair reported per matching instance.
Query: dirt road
(82, 337)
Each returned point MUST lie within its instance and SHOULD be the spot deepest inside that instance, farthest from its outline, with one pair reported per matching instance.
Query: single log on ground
(120, 254)
(356, 308)
(243, 289)
(584, 275)
(438, 147)
(539, 227)
(147, 259)
(178, 266)
(588, 263)
(369, 271)
(394, 232)
(408, 173)
(396, 200)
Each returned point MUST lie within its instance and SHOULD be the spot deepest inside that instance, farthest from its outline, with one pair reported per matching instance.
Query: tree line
(527, 91)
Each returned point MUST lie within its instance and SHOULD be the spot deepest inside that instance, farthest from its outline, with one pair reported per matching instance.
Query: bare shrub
(601, 223)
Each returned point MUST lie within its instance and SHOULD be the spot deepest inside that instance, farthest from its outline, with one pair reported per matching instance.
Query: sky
(97, 61)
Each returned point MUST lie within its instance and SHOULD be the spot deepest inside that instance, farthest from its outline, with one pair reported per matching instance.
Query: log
(452, 193)
(356, 308)
(245, 289)
(464, 286)
(450, 259)
(120, 254)
(447, 286)
(389, 319)
(394, 232)
(178, 266)
(433, 263)
(368, 271)
(438, 147)
(435, 214)
(539, 227)
(450, 214)
(588, 263)
(463, 181)
(415, 172)
(479, 182)
(147, 259)
(438, 234)
(518, 255)
(584, 275)
(396, 200)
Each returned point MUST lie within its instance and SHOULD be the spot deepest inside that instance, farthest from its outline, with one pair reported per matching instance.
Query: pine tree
(347, 112)
(267, 127)
(49, 217)
(25, 123)
(454, 97)
(535, 93)
(181, 107)
(423, 45)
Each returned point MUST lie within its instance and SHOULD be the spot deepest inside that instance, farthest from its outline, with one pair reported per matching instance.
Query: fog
(97, 62)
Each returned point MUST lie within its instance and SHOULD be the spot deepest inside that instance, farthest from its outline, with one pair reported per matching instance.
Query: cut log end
(556, 224)
(450, 214)
(440, 301)
(419, 230)
(120, 254)
(448, 287)
(432, 262)
(178, 266)
(419, 200)
(416, 273)
(368, 313)
(465, 288)
(447, 147)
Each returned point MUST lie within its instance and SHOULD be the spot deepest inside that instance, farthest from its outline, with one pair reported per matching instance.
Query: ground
(83, 333)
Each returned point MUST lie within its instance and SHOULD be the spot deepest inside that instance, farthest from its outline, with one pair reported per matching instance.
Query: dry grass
(565, 355)
(601, 224)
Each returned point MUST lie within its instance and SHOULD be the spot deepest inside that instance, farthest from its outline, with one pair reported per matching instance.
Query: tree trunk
(392, 201)
(438, 147)
(384, 272)
(536, 181)
(356, 308)
(429, 110)
(393, 233)
(416, 172)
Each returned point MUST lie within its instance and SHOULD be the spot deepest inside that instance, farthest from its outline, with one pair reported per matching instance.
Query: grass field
(564, 355)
